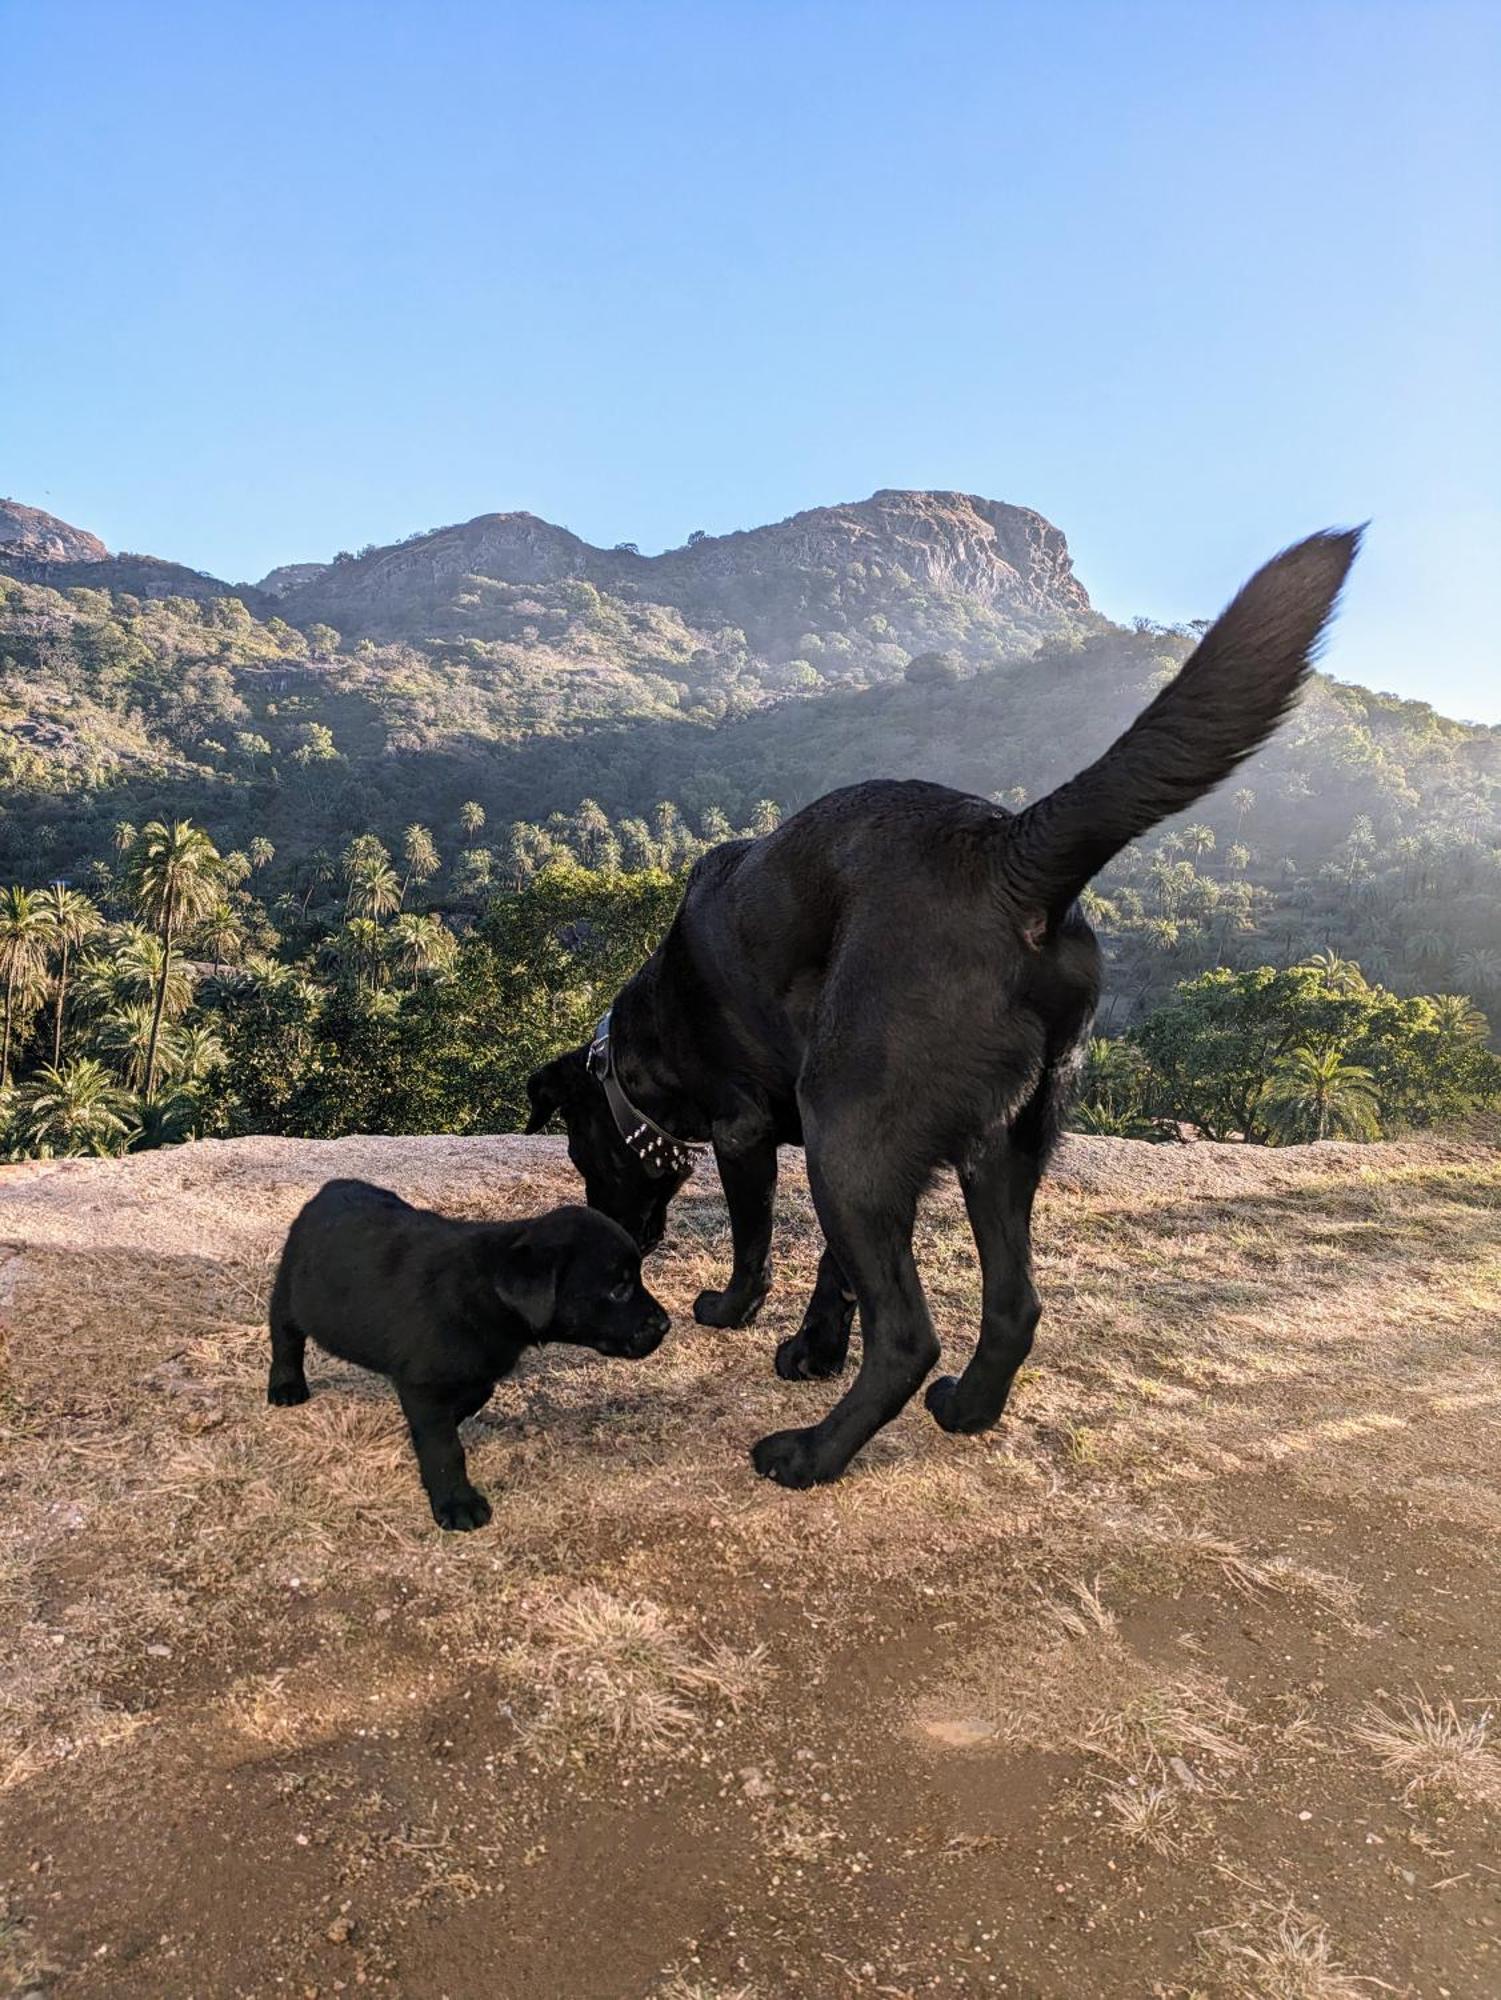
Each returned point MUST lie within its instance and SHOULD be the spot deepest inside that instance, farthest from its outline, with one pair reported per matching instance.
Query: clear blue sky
(1191, 279)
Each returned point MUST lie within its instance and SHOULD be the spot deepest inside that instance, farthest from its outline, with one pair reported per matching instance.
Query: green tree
(25, 939)
(172, 874)
(421, 945)
(1316, 1094)
(74, 921)
(420, 852)
(78, 1108)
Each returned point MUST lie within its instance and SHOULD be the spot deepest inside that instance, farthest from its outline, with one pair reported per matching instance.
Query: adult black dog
(444, 1309)
(900, 977)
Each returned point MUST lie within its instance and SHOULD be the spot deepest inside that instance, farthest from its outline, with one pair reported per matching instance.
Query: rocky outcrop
(29, 535)
(953, 541)
(288, 577)
(409, 582)
(1007, 558)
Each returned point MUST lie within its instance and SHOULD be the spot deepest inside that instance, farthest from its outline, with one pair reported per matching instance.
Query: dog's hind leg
(999, 1181)
(819, 1346)
(867, 1218)
(287, 1382)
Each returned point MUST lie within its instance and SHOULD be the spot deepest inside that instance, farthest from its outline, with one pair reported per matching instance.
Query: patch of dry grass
(1284, 1956)
(618, 1673)
(1147, 1816)
(1431, 1747)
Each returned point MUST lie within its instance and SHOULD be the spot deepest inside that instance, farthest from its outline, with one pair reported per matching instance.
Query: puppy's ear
(548, 1088)
(526, 1279)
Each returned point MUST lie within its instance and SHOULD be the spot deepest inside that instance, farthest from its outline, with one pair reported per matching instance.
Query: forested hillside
(382, 751)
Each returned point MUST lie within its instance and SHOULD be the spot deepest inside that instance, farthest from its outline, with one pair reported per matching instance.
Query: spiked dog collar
(657, 1150)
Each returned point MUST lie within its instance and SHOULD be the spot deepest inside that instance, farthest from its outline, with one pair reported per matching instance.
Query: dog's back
(353, 1269)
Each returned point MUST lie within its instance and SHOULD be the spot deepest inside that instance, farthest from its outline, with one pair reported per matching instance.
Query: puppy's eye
(620, 1294)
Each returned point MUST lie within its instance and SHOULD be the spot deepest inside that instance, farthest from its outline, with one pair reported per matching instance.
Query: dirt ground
(1180, 1683)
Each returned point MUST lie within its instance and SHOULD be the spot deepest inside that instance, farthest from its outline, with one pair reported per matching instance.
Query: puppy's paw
(726, 1309)
(941, 1400)
(789, 1459)
(285, 1394)
(804, 1359)
(464, 1511)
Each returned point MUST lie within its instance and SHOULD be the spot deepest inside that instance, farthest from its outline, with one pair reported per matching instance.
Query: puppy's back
(346, 1269)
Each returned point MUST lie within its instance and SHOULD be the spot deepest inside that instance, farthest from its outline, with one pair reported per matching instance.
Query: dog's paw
(285, 1394)
(940, 1401)
(726, 1309)
(803, 1360)
(463, 1512)
(789, 1459)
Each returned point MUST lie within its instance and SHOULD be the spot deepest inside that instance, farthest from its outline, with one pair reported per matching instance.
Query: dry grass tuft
(1433, 1748)
(1148, 1816)
(1087, 1616)
(681, 1987)
(618, 1673)
(1290, 1959)
(1188, 1716)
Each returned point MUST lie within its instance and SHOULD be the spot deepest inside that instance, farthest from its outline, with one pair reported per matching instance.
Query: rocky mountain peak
(29, 534)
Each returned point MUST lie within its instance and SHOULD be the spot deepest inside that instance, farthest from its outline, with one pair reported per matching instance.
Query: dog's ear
(544, 1093)
(526, 1279)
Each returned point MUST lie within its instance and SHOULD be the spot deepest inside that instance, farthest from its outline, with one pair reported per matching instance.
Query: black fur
(899, 977)
(445, 1308)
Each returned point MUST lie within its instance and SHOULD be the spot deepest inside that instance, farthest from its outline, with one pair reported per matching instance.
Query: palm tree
(471, 818)
(124, 1038)
(1198, 838)
(374, 889)
(360, 948)
(1457, 1015)
(420, 852)
(1316, 1094)
(222, 933)
(1340, 975)
(422, 944)
(317, 869)
(1481, 970)
(74, 922)
(76, 1109)
(127, 966)
(199, 1052)
(172, 874)
(1244, 802)
(25, 935)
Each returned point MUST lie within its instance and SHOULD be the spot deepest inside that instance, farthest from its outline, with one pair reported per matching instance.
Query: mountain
(771, 582)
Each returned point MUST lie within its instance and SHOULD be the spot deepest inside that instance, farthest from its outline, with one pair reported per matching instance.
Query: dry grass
(1431, 1747)
(1147, 1816)
(618, 1673)
(1285, 1956)
(681, 1986)
(179, 1564)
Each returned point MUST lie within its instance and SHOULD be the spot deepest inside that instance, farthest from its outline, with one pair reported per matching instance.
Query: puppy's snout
(653, 1332)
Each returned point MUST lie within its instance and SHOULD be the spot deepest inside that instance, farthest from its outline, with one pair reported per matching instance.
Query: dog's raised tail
(1231, 693)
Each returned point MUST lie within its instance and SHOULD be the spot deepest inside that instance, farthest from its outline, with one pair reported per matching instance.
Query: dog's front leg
(433, 1417)
(746, 1152)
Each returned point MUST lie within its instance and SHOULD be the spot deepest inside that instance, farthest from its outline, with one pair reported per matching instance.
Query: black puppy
(900, 977)
(444, 1309)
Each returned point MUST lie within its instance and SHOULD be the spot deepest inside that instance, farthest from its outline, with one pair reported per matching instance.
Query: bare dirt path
(1179, 1684)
